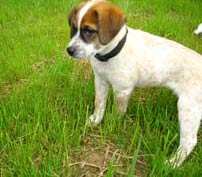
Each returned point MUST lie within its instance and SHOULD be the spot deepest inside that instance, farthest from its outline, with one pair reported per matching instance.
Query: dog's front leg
(101, 93)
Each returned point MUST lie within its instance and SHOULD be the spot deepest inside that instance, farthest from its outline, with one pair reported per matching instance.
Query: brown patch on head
(73, 18)
(90, 20)
(89, 27)
(100, 24)
(105, 19)
(110, 19)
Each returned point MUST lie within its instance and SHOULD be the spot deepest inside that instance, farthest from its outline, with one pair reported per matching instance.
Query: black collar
(114, 52)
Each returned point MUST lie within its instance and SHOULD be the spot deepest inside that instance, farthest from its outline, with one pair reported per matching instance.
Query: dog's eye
(88, 32)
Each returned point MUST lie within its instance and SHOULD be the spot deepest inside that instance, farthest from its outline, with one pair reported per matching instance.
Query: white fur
(148, 60)
(198, 30)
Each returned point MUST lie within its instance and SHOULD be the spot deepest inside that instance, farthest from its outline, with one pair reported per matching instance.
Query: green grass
(46, 97)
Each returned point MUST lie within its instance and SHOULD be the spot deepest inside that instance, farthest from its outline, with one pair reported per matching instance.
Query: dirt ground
(97, 161)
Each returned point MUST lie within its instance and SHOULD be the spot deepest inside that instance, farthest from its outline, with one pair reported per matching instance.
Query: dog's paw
(173, 163)
(170, 164)
(93, 120)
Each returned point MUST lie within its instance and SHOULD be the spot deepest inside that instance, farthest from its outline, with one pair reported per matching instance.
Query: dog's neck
(114, 47)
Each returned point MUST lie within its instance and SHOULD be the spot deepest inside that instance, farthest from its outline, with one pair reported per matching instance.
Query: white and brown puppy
(126, 58)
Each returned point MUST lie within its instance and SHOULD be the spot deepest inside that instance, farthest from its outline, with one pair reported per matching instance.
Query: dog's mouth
(73, 52)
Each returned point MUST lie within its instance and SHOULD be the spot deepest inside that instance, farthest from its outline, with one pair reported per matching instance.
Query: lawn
(46, 97)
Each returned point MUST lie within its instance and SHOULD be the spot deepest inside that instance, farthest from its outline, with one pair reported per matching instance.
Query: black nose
(71, 50)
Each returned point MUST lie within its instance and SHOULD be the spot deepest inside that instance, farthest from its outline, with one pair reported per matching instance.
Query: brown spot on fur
(103, 17)
(89, 21)
(110, 19)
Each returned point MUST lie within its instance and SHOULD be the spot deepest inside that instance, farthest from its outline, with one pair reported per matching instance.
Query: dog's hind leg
(189, 112)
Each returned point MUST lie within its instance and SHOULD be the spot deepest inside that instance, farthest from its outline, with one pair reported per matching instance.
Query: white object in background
(198, 30)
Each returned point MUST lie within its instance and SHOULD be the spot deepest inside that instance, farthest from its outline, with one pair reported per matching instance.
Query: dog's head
(93, 25)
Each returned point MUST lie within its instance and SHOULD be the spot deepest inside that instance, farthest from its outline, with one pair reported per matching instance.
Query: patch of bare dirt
(94, 160)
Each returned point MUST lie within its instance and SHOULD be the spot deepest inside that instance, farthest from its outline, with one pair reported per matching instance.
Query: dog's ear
(110, 19)
(74, 12)
(72, 15)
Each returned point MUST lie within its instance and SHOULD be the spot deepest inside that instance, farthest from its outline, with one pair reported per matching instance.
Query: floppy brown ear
(110, 20)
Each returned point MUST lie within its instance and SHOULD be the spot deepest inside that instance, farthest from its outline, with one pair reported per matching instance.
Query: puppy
(126, 58)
